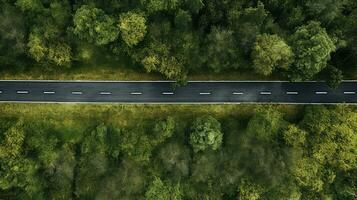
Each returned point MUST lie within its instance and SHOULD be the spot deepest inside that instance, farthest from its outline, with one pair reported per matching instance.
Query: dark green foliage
(159, 190)
(334, 77)
(17, 170)
(264, 156)
(12, 36)
(175, 159)
(312, 47)
(132, 27)
(138, 143)
(177, 38)
(271, 52)
(221, 50)
(93, 25)
(206, 134)
(265, 124)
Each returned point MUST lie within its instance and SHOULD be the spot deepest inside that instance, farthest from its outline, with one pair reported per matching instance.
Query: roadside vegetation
(174, 152)
(179, 39)
(159, 152)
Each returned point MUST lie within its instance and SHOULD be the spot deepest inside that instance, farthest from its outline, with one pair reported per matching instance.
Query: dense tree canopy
(93, 25)
(132, 27)
(134, 153)
(178, 38)
(206, 133)
(159, 190)
(271, 52)
(312, 47)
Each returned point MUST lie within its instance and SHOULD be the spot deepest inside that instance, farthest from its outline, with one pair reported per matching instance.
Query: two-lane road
(162, 92)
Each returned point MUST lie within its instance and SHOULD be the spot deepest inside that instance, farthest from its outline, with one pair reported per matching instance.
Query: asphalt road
(162, 92)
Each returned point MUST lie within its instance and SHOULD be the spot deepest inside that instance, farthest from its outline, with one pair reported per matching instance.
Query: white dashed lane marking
(136, 93)
(0, 92)
(22, 92)
(238, 93)
(349, 92)
(105, 93)
(292, 93)
(77, 93)
(265, 93)
(321, 93)
(167, 93)
(49, 92)
(205, 93)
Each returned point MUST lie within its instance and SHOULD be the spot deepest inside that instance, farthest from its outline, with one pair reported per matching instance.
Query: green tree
(271, 52)
(309, 173)
(61, 12)
(60, 54)
(93, 162)
(222, 54)
(159, 190)
(42, 49)
(195, 5)
(14, 137)
(126, 181)
(163, 129)
(294, 136)
(204, 168)
(324, 10)
(93, 25)
(247, 23)
(132, 28)
(42, 143)
(175, 159)
(330, 150)
(312, 47)
(160, 5)
(30, 5)
(12, 36)
(159, 59)
(334, 77)
(136, 144)
(62, 177)
(265, 124)
(91, 168)
(37, 47)
(95, 141)
(206, 134)
(248, 190)
(18, 171)
(345, 185)
(183, 20)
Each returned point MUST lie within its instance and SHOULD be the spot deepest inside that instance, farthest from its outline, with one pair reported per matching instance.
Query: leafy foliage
(132, 27)
(178, 38)
(93, 25)
(271, 52)
(312, 47)
(161, 191)
(334, 77)
(206, 133)
(265, 154)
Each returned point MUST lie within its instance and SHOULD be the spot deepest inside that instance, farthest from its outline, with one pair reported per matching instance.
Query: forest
(175, 39)
(207, 152)
(178, 152)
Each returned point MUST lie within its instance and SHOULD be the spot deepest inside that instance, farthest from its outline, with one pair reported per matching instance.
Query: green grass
(128, 115)
(104, 66)
(116, 71)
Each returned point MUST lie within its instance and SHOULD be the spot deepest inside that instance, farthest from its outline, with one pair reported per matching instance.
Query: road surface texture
(162, 92)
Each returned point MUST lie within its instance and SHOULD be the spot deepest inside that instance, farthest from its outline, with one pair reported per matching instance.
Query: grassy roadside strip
(128, 115)
(103, 66)
(109, 73)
